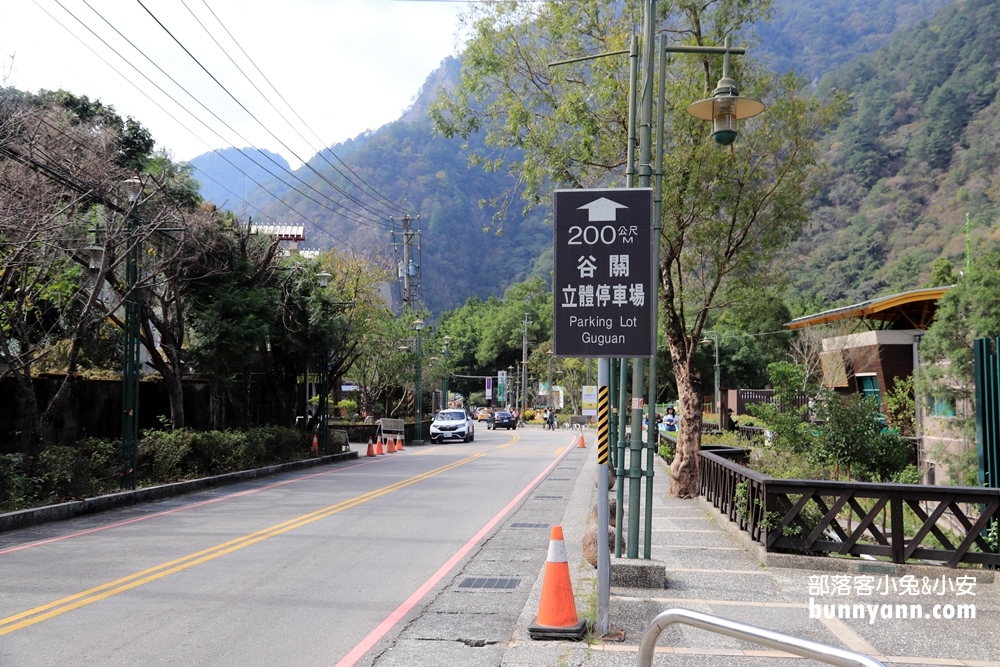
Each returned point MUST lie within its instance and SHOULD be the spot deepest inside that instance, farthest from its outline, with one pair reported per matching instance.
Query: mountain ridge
(430, 175)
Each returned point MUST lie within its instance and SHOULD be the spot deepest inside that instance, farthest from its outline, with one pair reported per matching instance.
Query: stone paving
(712, 569)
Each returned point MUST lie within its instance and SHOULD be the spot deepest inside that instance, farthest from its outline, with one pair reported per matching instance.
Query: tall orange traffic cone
(315, 445)
(371, 448)
(399, 442)
(390, 445)
(557, 617)
(378, 446)
(581, 444)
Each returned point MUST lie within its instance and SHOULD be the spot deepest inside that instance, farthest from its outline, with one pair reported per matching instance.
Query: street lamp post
(718, 392)
(548, 397)
(130, 356)
(724, 109)
(524, 366)
(445, 353)
(324, 386)
(510, 385)
(418, 399)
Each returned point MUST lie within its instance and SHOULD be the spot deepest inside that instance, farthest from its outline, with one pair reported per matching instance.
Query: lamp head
(134, 188)
(95, 257)
(724, 108)
(324, 278)
(418, 324)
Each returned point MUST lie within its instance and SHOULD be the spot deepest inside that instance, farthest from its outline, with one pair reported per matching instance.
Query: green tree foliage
(848, 437)
(918, 150)
(789, 426)
(942, 273)
(382, 367)
(751, 336)
(900, 406)
(726, 212)
(62, 160)
(968, 311)
(486, 336)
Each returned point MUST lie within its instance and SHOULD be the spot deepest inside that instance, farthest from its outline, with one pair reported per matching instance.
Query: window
(868, 385)
(941, 407)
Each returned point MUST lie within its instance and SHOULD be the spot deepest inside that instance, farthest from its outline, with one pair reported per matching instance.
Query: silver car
(452, 425)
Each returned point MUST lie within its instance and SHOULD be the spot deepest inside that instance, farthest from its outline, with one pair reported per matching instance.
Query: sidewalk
(712, 569)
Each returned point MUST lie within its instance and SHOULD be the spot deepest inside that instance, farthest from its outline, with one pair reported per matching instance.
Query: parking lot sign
(603, 280)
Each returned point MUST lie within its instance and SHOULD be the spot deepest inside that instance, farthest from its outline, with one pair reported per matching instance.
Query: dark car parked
(504, 419)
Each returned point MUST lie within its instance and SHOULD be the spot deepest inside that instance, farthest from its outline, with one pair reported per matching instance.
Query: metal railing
(723, 626)
(894, 521)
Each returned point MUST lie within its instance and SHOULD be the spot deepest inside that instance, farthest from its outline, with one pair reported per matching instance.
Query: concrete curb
(829, 564)
(40, 515)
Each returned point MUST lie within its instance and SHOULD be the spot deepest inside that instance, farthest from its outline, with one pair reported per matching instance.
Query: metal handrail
(723, 626)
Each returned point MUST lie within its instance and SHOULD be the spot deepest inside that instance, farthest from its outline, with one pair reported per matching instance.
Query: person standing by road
(730, 424)
(670, 420)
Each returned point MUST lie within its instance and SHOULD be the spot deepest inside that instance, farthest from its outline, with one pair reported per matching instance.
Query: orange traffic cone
(399, 442)
(371, 448)
(581, 444)
(390, 445)
(557, 617)
(378, 447)
(315, 445)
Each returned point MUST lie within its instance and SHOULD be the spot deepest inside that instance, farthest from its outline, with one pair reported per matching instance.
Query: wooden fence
(745, 397)
(900, 522)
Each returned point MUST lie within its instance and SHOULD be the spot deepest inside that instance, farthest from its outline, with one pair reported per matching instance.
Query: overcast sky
(343, 65)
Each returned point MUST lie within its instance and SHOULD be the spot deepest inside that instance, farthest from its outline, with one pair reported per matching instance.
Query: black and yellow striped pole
(603, 424)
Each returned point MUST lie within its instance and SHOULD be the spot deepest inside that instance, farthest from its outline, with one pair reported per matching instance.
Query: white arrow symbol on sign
(602, 210)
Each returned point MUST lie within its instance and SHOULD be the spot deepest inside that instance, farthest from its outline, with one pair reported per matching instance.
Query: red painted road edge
(392, 619)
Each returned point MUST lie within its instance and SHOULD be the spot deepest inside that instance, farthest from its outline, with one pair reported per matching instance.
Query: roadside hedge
(92, 467)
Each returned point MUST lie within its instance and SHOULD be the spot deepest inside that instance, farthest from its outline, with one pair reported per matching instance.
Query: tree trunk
(31, 435)
(175, 392)
(685, 471)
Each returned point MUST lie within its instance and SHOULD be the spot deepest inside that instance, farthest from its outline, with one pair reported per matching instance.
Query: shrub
(92, 467)
(667, 450)
(89, 468)
(169, 456)
(18, 483)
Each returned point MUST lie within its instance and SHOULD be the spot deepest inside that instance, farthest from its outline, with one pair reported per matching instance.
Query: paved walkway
(710, 569)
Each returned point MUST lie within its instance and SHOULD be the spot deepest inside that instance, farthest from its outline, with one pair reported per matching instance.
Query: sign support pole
(620, 464)
(653, 431)
(603, 624)
(644, 169)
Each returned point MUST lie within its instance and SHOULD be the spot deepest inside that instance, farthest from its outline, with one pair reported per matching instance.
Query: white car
(452, 425)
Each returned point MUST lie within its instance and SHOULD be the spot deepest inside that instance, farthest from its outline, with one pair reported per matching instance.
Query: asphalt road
(309, 568)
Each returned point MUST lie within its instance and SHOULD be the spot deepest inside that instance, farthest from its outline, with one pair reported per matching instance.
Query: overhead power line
(255, 118)
(175, 119)
(320, 151)
(280, 166)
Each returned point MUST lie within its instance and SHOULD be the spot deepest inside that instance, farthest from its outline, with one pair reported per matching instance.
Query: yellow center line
(69, 603)
(515, 438)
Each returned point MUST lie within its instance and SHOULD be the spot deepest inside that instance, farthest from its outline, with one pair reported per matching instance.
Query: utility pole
(524, 365)
(409, 268)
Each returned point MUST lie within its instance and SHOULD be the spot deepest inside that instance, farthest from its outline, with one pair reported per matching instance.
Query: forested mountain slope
(462, 253)
(918, 151)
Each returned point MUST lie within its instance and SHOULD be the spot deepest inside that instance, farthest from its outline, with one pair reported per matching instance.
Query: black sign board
(603, 285)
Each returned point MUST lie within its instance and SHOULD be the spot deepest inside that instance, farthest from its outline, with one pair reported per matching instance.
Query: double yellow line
(47, 611)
